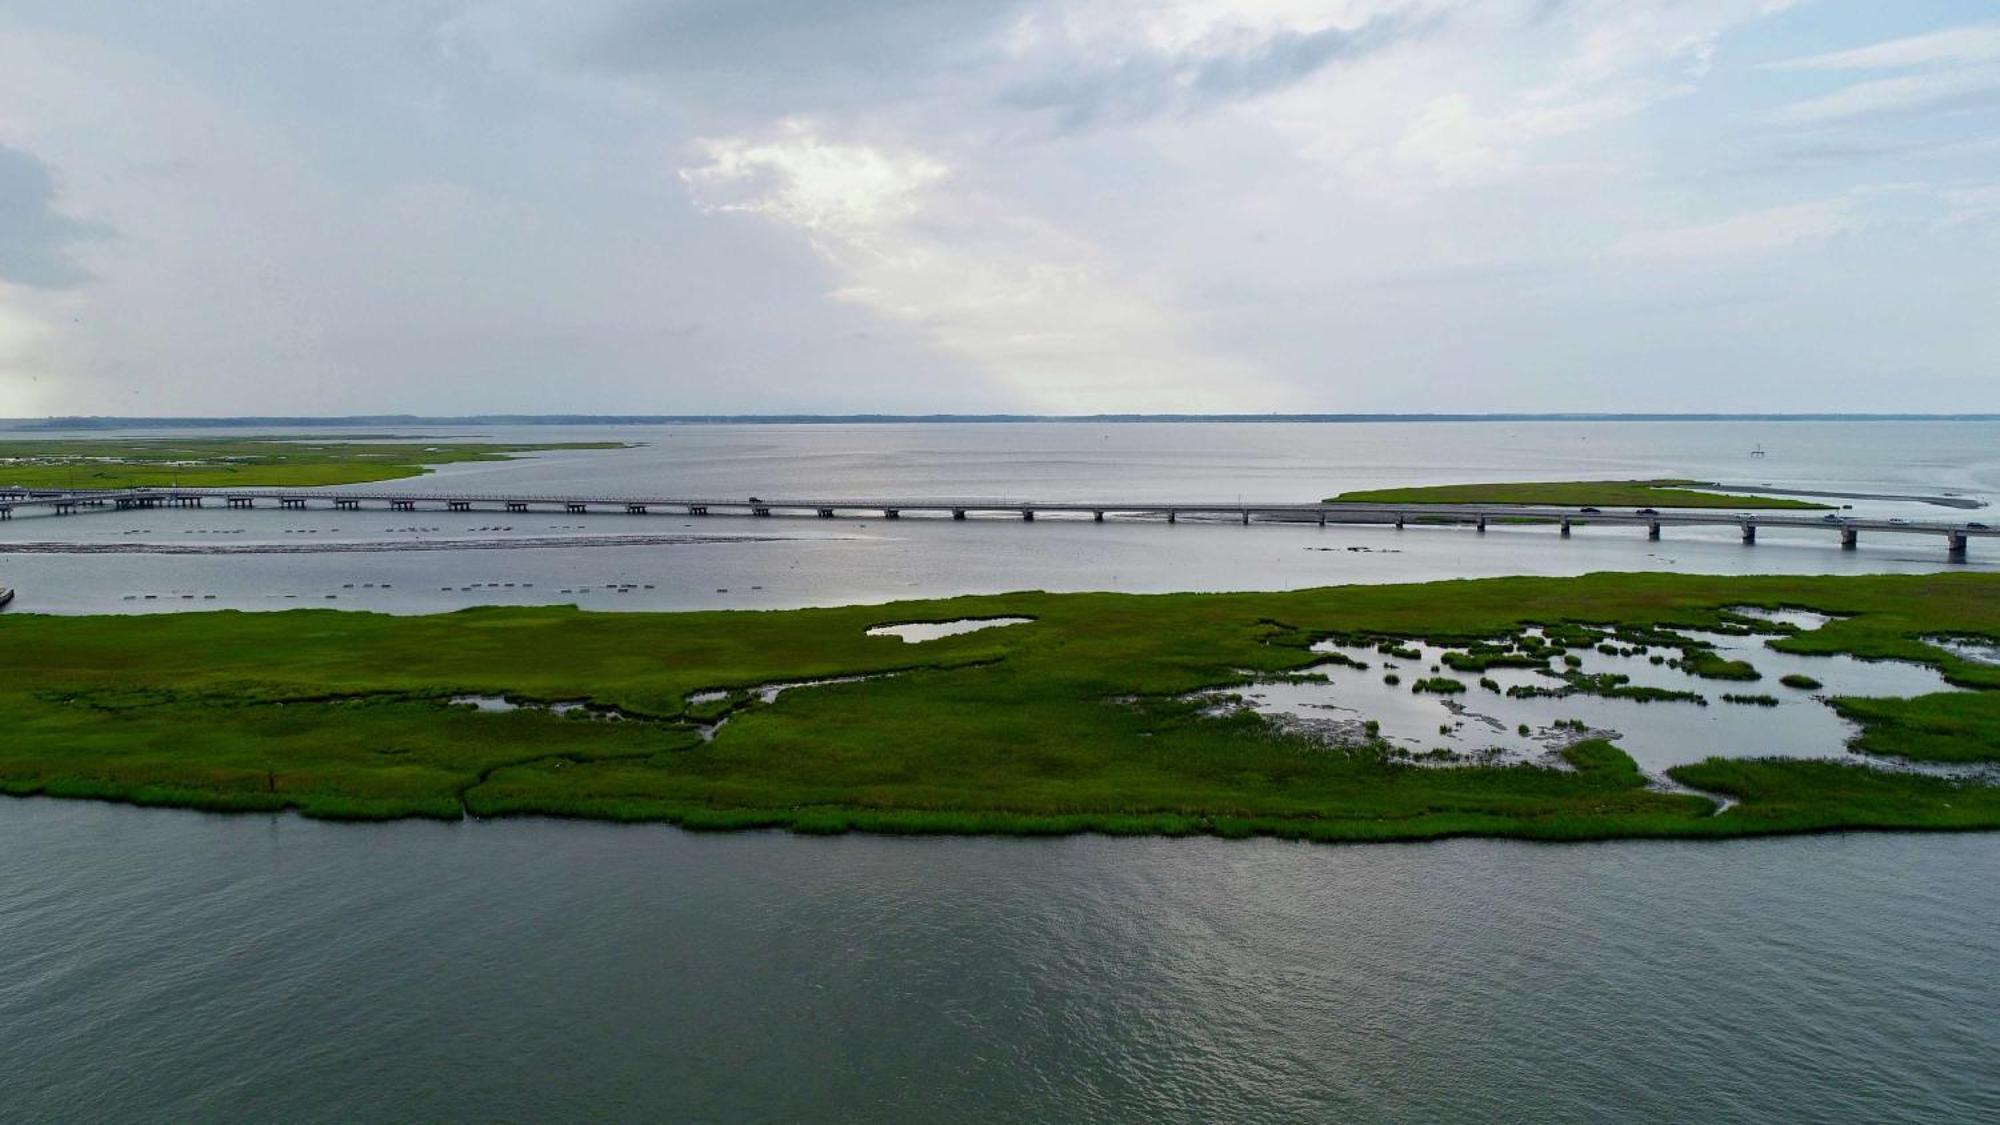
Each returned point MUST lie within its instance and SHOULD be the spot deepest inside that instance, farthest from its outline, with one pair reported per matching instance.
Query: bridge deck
(1479, 515)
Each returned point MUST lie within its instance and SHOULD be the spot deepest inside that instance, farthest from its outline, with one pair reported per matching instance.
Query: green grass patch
(1573, 494)
(1706, 664)
(245, 462)
(1945, 727)
(1799, 681)
(1437, 685)
(1083, 723)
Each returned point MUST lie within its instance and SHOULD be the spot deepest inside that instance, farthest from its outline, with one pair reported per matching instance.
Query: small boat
(6, 595)
(1757, 452)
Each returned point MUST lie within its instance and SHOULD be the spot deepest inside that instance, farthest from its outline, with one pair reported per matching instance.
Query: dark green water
(162, 965)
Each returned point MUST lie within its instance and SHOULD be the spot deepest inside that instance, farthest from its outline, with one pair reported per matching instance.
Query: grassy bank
(1574, 494)
(1072, 722)
(245, 462)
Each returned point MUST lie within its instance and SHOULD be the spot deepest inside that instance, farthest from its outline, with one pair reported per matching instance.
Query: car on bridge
(1591, 511)
(1649, 511)
(1977, 527)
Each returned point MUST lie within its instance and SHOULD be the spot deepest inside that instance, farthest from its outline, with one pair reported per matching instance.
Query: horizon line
(75, 421)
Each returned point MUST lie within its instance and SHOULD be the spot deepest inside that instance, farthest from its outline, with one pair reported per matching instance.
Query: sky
(231, 207)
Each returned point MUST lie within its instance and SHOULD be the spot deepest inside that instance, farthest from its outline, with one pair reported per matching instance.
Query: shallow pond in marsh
(917, 632)
(1503, 714)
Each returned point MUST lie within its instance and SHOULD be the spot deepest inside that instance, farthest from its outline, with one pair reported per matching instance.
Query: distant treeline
(94, 423)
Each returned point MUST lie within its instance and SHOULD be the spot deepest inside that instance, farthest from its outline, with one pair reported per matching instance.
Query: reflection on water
(1967, 648)
(1408, 695)
(166, 965)
(919, 632)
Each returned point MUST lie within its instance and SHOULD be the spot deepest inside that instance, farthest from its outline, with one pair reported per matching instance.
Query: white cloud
(1036, 310)
(1756, 232)
(1975, 43)
(1904, 93)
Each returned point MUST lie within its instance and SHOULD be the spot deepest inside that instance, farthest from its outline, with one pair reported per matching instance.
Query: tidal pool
(1507, 714)
(1979, 652)
(921, 631)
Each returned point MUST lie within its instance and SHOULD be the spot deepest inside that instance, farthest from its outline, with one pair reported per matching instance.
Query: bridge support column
(1246, 517)
(1565, 532)
(348, 505)
(576, 509)
(1173, 516)
(296, 502)
(6, 513)
(1097, 516)
(1322, 517)
(891, 514)
(458, 505)
(697, 509)
(958, 513)
(1954, 545)
(1482, 525)
(827, 514)
(402, 505)
(1400, 517)
(1028, 515)
(635, 509)
(760, 510)
(1849, 538)
(1749, 533)
(1653, 530)
(234, 502)
(516, 506)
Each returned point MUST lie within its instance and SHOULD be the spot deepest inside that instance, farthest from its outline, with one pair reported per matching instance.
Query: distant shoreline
(119, 423)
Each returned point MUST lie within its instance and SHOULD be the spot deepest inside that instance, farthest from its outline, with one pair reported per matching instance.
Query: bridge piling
(1653, 530)
(1850, 538)
(1749, 532)
(1954, 546)
(1565, 527)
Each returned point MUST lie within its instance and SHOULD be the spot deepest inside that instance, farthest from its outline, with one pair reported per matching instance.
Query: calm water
(159, 964)
(181, 966)
(780, 563)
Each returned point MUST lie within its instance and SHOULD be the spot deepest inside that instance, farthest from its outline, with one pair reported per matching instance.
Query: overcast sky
(677, 206)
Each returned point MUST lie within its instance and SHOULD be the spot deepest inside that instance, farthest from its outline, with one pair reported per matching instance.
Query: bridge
(1478, 516)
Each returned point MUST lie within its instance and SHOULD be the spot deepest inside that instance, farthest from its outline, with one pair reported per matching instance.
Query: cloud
(1975, 43)
(35, 239)
(1035, 310)
(1953, 69)
(1913, 93)
(1136, 75)
(1755, 232)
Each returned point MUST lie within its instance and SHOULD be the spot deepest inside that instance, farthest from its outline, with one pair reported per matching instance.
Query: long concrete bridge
(1849, 529)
